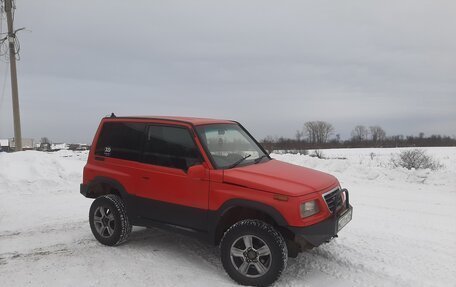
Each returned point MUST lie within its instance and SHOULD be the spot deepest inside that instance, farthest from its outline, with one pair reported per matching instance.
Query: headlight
(309, 208)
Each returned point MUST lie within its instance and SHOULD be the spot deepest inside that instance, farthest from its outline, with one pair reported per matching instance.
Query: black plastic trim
(84, 189)
(215, 216)
(114, 183)
(147, 210)
(321, 232)
(325, 230)
(153, 119)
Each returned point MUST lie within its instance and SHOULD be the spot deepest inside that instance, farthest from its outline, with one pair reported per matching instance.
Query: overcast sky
(271, 65)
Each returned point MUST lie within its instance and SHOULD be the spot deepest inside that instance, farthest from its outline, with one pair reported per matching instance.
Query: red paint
(256, 182)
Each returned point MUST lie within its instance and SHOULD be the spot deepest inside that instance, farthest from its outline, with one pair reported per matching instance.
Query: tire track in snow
(7, 234)
(35, 254)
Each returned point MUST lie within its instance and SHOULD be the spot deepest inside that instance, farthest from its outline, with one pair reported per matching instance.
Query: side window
(170, 147)
(120, 140)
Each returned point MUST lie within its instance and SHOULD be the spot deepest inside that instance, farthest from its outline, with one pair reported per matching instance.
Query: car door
(169, 194)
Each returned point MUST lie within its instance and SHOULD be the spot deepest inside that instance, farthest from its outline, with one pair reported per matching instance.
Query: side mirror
(197, 171)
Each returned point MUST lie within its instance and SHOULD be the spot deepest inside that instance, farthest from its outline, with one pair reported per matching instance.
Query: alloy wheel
(251, 256)
(104, 221)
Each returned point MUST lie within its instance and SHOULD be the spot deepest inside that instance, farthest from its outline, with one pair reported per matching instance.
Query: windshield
(229, 145)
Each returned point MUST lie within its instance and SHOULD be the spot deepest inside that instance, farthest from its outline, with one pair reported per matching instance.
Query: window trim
(191, 133)
(141, 141)
(208, 154)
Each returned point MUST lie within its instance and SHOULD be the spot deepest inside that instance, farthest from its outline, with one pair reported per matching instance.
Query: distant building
(59, 146)
(83, 147)
(27, 144)
(4, 145)
(79, 147)
(44, 147)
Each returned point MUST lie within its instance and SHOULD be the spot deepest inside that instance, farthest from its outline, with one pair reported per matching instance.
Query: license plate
(344, 219)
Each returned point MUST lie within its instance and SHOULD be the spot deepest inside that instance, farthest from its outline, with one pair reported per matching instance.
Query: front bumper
(323, 231)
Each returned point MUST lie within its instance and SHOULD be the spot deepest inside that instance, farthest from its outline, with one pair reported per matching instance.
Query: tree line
(321, 134)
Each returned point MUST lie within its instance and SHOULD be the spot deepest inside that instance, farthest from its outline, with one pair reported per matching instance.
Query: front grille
(333, 200)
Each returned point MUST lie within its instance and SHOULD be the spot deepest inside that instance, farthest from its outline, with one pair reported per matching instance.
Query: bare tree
(310, 130)
(299, 135)
(360, 133)
(318, 132)
(269, 143)
(377, 134)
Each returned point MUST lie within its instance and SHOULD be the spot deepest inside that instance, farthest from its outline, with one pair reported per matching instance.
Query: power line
(8, 37)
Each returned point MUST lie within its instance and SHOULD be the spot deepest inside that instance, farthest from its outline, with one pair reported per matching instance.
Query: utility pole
(15, 94)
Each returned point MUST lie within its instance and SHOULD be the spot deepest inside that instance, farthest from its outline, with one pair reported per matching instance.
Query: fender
(214, 216)
(127, 198)
(112, 182)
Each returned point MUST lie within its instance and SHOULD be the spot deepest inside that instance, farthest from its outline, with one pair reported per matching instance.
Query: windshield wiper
(239, 161)
(259, 159)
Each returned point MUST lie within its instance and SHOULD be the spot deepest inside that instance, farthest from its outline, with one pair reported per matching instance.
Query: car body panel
(172, 196)
(280, 177)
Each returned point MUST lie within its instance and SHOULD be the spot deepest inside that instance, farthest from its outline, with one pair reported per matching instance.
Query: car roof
(190, 120)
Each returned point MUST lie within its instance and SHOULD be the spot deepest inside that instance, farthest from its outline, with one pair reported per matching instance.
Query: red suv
(210, 179)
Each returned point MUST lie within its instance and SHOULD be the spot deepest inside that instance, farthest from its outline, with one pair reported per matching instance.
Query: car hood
(279, 177)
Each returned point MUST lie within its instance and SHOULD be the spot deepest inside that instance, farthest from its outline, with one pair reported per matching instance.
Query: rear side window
(120, 140)
(171, 147)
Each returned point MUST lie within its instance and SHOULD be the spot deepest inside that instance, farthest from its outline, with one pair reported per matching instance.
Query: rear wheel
(253, 253)
(108, 220)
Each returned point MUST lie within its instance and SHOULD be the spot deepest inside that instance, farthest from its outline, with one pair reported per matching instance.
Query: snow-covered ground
(403, 232)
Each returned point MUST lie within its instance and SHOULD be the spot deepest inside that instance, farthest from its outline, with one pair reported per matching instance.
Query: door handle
(145, 177)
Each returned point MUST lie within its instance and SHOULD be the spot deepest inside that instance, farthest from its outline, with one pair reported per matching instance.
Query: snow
(403, 231)
(59, 146)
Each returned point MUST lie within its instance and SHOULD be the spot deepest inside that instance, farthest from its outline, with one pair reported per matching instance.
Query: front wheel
(253, 253)
(108, 220)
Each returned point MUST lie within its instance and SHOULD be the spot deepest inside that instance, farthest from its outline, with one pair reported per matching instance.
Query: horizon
(275, 137)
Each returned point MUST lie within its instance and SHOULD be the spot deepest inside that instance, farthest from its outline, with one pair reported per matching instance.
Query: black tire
(114, 227)
(262, 234)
